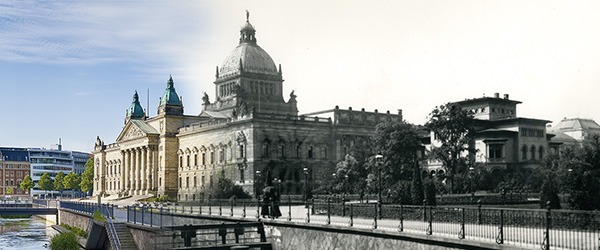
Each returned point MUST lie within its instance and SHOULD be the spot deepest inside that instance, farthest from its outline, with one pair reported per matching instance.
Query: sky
(69, 68)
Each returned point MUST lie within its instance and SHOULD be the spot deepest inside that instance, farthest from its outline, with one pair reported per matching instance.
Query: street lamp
(471, 173)
(256, 183)
(379, 162)
(305, 170)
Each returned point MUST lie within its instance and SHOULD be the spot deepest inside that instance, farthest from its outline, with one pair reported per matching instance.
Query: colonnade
(139, 174)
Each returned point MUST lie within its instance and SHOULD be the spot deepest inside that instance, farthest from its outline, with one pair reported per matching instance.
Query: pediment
(132, 130)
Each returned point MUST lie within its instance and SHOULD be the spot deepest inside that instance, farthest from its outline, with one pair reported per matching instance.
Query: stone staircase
(124, 236)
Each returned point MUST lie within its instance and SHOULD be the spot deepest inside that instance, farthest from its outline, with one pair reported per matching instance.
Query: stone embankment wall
(73, 219)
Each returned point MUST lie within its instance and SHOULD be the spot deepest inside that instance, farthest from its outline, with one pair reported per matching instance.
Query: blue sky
(69, 68)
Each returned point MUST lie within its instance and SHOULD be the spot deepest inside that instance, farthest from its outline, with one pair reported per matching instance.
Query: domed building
(249, 133)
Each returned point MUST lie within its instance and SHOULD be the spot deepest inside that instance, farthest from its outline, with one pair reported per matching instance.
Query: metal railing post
(312, 208)
(343, 208)
(161, 217)
(244, 210)
(546, 243)
(424, 210)
(142, 208)
(127, 213)
(308, 214)
(430, 219)
(134, 214)
(328, 211)
(351, 215)
(220, 209)
(401, 225)
(479, 212)
(231, 210)
(461, 234)
(500, 237)
(289, 208)
(375, 217)
(151, 215)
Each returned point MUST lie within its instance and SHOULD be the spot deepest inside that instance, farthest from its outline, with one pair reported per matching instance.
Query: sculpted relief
(133, 132)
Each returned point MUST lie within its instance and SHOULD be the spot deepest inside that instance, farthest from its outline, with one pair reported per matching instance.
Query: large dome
(253, 58)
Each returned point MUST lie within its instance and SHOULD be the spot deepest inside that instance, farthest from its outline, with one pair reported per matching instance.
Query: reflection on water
(31, 233)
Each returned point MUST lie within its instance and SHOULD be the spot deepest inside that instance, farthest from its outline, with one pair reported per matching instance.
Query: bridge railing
(529, 228)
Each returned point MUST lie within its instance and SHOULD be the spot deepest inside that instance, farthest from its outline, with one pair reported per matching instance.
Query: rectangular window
(203, 158)
(188, 160)
(195, 159)
(222, 155)
(310, 152)
(212, 157)
(495, 151)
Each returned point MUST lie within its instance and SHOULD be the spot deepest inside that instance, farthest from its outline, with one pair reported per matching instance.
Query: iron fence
(529, 228)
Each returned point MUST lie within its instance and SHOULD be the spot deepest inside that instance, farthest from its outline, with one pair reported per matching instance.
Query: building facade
(573, 131)
(502, 138)
(14, 166)
(249, 134)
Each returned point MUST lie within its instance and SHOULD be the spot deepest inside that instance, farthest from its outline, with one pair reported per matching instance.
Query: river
(31, 233)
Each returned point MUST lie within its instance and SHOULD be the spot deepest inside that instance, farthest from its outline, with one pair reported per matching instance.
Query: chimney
(59, 144)
(400, 115)
(496, 95)
(506, 96)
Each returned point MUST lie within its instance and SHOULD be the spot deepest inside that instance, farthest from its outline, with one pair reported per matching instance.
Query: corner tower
(249, 81)
(135, 111)
(170, 103)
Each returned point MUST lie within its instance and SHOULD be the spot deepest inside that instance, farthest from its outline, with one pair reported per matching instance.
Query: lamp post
(305, 170)
(257, 183)
(379, 162)
(471, 173)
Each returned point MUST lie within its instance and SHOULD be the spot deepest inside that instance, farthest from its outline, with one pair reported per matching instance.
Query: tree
(87, 178)
(26, 184)
(71, 181)
(226, 189)
(579, 168)
(398, 142)
(45, 182)
(58, 182)
(10, 190)
(454, 129)
(351, 176)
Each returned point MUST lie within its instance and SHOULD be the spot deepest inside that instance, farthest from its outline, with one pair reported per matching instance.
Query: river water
(31, 233)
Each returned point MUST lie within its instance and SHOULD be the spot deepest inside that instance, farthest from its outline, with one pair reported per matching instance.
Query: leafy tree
(87, 178)
(351, 176)
(416, 191)
(71, 181)
(398, 142)
(226, 189)
(10, 190)
(58, 182)
(26, 184)
(549, 192)
(454, 130)
(430, 191)
(45, 182)
(579, 168)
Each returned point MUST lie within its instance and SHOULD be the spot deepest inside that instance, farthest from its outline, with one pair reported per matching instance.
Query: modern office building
(54, 161)
(14, 166)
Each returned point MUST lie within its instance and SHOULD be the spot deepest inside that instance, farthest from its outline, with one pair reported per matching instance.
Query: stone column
(136, 173)
(154, 168)
(131, 171)
(143, 174)
(125, 165)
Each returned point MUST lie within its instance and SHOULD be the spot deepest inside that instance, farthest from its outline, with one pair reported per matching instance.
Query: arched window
(310, 152)
(533, 152)
(524, 152)
(541, 152)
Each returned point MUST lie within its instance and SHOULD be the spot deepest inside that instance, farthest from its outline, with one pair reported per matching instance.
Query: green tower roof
(136, 110)
(170, 97)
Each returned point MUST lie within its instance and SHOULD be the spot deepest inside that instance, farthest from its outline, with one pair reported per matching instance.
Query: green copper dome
(170, 97)
(136, 110)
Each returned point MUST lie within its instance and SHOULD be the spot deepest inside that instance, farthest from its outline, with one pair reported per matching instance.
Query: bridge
(28, 211)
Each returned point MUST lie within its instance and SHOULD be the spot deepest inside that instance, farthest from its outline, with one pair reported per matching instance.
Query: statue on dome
(292, 97)
(205, 99)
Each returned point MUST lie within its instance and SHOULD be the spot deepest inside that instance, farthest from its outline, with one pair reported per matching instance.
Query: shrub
(76, 230)
(64, 241)
(99, 216)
